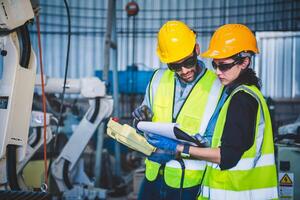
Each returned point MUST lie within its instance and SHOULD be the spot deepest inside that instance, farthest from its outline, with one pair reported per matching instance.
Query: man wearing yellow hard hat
(185, 93)
(241, 163)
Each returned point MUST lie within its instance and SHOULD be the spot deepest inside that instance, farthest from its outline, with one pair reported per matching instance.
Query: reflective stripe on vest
(154, 84)
(209, 110)
(194, 170)
(249, 163)
(256, 194)
(204, 94)
(189, 164)
(256, 171)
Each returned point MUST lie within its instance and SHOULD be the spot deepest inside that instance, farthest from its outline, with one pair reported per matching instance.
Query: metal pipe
(107, 41)
(115, 84)
(98, 166)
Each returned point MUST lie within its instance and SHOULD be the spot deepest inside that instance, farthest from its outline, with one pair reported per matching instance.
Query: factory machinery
(17, 83)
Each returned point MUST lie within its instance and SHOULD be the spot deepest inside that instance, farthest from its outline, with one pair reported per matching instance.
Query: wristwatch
(186, 151)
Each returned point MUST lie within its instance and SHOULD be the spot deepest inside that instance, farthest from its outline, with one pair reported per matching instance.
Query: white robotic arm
(16, 86)
(67, 169)
(87, 87)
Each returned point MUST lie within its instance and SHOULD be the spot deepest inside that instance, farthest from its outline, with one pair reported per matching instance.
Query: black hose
(96, 110)
(37, 138)
(66, 67)
(25, 44)
(11, 167)
(65, 79)
(66, 175)
(182, 177)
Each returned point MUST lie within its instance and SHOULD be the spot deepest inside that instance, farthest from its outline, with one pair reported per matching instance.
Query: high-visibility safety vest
(254, 176)
(192, 118)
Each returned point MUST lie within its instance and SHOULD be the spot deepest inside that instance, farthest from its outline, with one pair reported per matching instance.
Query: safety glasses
(227, 66)
(187, 63)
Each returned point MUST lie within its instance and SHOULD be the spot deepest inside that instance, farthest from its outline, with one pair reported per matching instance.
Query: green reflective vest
(254, 176)
(197, 108)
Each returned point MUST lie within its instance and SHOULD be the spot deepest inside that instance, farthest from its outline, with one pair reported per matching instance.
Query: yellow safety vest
(254, 176)
(198, 107)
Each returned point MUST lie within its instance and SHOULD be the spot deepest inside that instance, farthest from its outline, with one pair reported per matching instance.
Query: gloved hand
(161, 156)
(162, 142)
(203, 140)
(142, 113)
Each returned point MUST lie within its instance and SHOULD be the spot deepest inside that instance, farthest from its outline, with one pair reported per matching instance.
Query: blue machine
(130, 81)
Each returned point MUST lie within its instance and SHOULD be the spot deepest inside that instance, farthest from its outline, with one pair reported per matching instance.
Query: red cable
(43, 99)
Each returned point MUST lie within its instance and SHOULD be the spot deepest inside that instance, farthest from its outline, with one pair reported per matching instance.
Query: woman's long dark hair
(248, 77)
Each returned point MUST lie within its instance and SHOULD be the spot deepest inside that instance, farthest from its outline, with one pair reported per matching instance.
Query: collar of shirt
(182, 90)
(229, 88)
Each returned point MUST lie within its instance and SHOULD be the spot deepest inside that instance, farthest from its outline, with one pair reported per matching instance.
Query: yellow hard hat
(175, 41)
(231, 39)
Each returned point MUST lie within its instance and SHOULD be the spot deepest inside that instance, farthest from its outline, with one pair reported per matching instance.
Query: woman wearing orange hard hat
(243, 164)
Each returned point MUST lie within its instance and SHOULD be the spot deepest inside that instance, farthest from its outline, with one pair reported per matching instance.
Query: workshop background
(276, 24)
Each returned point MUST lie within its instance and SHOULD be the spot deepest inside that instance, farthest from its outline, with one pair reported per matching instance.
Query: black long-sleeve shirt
(239, 129)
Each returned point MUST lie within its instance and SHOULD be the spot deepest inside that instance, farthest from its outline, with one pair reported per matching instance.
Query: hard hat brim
(220, 55)
(213, 54)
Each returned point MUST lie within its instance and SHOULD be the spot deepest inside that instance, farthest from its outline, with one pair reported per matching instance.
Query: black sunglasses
(187, 63)
(227, 66)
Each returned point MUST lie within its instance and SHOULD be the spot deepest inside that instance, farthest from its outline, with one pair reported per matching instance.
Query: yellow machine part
(128, 136)
(33, 174)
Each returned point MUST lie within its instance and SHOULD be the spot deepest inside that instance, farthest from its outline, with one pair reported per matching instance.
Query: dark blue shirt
(239, 129)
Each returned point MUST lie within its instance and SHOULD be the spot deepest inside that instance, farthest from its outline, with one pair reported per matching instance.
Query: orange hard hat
(231, 39)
